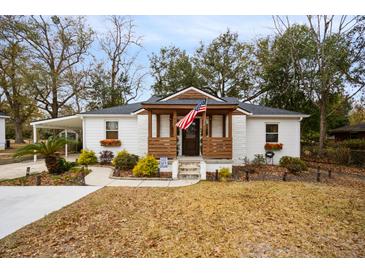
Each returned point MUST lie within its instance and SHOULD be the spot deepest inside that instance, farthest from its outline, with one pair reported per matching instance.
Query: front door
(190, 138)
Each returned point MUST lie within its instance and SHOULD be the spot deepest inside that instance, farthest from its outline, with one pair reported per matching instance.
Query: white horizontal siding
(217, 126)
(238, 138)
(2, 133)
(165, 125)
(289, 136)
(95, 132)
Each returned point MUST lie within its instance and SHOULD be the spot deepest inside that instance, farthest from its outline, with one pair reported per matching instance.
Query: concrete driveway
(20, 206)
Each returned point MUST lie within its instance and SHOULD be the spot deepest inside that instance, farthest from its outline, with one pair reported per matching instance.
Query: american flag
(185, 122)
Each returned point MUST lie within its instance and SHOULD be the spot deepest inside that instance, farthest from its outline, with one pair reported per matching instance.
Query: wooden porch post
(224, 125)
(204, 124)
(210, 125)
(149, 124)
(158, 126)
(230, 124)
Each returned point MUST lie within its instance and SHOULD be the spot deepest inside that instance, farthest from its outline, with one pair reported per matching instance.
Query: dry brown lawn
(256, 219)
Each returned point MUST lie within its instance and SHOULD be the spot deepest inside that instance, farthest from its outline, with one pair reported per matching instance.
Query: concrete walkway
(22, 205)
(100, 177)
(16, 170)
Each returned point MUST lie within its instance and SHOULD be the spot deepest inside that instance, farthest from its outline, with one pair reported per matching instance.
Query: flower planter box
(110, 143)
(273, 147)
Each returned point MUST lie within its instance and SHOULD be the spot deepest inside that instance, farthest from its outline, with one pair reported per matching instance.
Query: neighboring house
(3, 116)
(221, 137)
(349, 132)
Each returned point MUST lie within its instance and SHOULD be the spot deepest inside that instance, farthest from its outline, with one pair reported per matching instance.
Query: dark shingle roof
(2, 113)
(262, 110)
(123, 109)
(360, 127)
(254, 109)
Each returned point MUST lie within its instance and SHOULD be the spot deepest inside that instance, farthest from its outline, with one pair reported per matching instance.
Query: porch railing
(217, 147)
(162, 147)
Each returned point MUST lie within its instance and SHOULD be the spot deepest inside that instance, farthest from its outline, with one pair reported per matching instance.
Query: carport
(68, 123)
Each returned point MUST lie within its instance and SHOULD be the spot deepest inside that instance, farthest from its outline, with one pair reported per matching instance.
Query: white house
(3, 116)
(227, 133)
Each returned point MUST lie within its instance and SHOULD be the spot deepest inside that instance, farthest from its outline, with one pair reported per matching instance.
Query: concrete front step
(189, 170)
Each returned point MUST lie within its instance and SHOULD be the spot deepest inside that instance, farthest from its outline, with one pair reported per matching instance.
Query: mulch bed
(69, 178)
(276, 173)
(129, 174)
(209, 219)
(351, 170)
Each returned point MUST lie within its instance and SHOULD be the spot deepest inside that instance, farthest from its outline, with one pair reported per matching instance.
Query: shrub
(259, 160)
(354, 143)
(125, 160)
(146, 167)
(293, 164)
(357, 157)
(342, 155)
(224, 173)
(106, 157)
(87, 157)
(64, 165)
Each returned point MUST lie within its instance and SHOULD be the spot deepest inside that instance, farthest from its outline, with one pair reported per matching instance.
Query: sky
(186, 32)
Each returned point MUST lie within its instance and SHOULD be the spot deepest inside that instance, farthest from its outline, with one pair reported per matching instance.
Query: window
(111, 130)
(272, 133)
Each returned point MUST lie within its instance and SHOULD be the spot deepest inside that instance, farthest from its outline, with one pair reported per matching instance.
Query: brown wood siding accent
(162, 147)
(217, 147)
(164, 107)
(190, 94)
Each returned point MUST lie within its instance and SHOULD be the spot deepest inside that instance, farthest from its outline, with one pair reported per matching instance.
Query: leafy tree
(173, 70)
(357, 115)
(327, 61)
(14, 68)
(225, 66)
(57, 44)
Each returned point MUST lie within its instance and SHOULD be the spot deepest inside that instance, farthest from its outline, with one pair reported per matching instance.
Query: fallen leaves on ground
(255, 219)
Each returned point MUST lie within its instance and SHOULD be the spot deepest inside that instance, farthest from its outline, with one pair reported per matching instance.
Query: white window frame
(106, 130)
(277, 133)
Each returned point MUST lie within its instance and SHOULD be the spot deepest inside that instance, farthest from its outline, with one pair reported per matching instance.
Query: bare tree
(120, 45)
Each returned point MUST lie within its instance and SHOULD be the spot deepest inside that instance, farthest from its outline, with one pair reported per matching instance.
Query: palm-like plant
(48, 149)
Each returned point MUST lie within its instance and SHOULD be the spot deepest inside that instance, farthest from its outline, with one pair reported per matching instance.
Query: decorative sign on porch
(164, 163)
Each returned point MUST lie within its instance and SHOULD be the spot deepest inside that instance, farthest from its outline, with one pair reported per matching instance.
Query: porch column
(35, 140)
(149, 124)
(66, 145)
(230, 124)
(174, 121)
(224, 125)
(204, 124)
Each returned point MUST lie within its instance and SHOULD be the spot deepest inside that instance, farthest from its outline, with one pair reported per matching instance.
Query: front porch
(209, 136)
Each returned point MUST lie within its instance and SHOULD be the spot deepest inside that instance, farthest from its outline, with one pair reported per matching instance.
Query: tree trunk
(52, 164)
(322, 125)
(18, 131)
